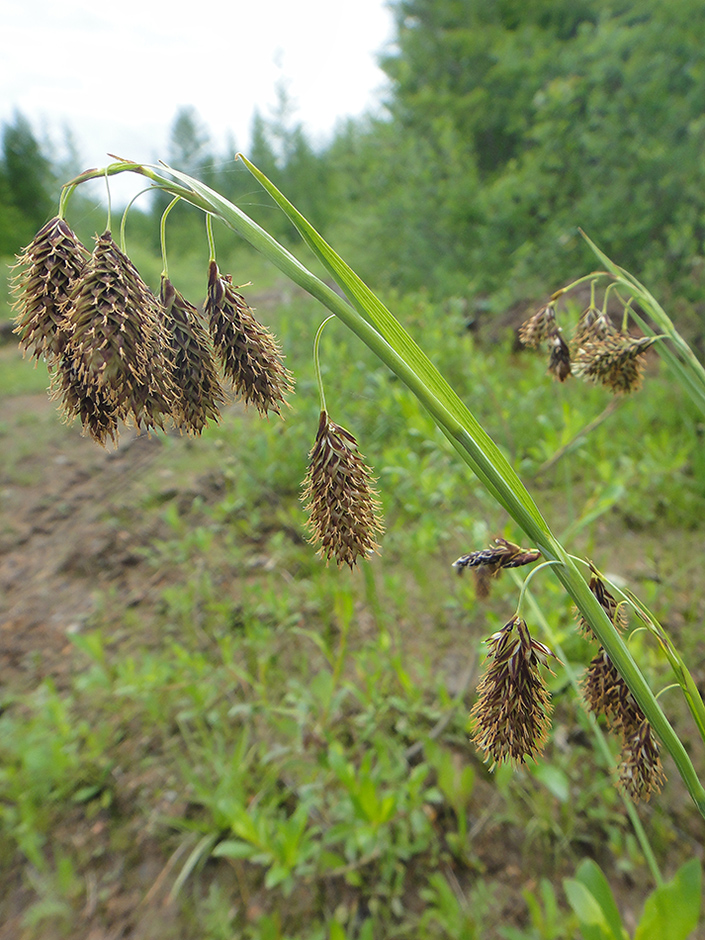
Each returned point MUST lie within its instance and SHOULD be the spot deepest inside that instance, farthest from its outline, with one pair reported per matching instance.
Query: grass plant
(320, 763)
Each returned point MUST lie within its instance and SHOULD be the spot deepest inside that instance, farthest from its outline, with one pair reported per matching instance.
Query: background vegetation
(290, 742)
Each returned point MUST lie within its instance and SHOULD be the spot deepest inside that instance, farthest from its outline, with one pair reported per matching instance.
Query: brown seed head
(115, 343)
(503, 554)
(593, 326)
(542, 325)
(250, 356)
(616, 612)
(49, 268)
(606, 693)
(614, 361)
(340, 499)
(94, 405)
(512, 711)
(640, 769)
(195, 378)
(559, 362)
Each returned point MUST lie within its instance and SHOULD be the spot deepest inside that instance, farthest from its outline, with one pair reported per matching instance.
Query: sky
(116, 73)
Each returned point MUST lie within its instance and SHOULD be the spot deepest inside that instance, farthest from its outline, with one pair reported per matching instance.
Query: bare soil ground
(69, 534)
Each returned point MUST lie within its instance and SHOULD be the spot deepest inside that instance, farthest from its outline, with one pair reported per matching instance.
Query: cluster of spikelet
(117, 352)
(597, 352)
(606, 693)
(513, 708)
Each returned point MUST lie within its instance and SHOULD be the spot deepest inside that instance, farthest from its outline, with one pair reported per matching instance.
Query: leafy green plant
(375, 814)
(671, 911)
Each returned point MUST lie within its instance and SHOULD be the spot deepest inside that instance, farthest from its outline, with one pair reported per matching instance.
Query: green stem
(162, 234)
(209, 233)
(110, 204)
(317, 362)
(527, 581)
(123, 220)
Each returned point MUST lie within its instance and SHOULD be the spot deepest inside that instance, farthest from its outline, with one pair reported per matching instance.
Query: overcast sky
(116, 73)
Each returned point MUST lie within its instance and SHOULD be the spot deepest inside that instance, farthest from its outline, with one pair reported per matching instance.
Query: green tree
(27, 185)
(511, 124)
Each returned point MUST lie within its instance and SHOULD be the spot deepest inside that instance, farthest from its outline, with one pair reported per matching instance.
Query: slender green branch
(209, 233)
(123, 220)
(162, 234)
(109, 224)
(527, 581)
(317, 362)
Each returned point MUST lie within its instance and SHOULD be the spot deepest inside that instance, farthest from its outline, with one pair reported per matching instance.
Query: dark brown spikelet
(115, 344)
(93, 405)
(195, 377)
(49, 268)
(249, 354)
(513, 707)
(559, 362)
(614, 361)
(606, 693)
(593, 326)
(542, 325)
(339, 496)
(616, 612)
(640, 769)
(502, 554)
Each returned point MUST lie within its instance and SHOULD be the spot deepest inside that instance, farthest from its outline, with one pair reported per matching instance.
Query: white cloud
(116, 74)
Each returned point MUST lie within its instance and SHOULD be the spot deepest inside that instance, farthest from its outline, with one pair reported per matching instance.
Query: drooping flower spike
(49, 267)
(513, 707)
(341, 501)
(249, 354)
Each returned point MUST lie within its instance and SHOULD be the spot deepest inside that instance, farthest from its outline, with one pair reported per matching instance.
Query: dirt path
(60, 539)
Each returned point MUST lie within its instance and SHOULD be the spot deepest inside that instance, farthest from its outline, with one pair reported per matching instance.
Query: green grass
(288, 734)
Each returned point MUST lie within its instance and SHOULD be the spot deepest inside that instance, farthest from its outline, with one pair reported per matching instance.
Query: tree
(26, 185)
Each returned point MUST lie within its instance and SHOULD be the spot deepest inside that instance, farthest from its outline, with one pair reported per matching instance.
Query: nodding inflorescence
(512, 710)
(117, 352)
(340, 497)
(512, 713)
(597, 352)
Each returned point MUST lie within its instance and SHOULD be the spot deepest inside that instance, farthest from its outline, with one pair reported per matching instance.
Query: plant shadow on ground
(207, 733)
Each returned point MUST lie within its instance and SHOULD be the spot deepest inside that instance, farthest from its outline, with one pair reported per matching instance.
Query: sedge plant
(118, 353)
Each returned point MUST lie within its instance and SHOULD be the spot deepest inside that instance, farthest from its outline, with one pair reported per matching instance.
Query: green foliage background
(505, 127)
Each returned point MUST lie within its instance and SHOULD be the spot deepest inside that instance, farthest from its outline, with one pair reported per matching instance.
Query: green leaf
(554, 779)
(593, 923)
(591, 876)
(336, 931)
(233, 848)
(672, 911)
(276, 875)
(489, 463)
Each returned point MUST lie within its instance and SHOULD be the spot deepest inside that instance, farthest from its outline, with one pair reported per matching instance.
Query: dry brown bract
(342, 504)
(512, 711)
(49, 268)
(250, 356)
(559, 363)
